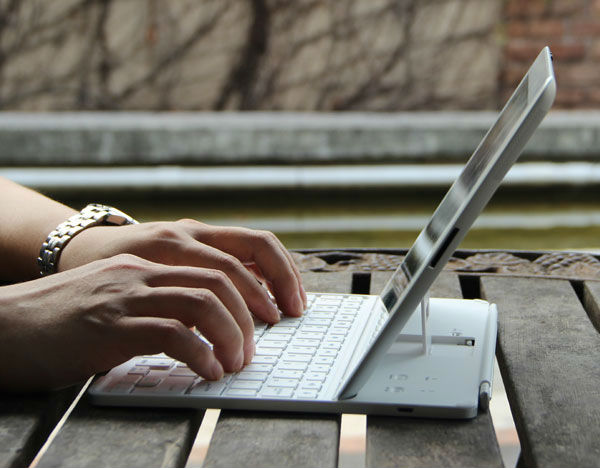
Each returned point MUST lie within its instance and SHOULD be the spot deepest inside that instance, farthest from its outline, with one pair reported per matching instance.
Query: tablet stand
(426, 337)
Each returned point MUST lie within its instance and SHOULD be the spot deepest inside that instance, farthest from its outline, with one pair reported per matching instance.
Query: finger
(252, 268)
(295, 270)
(200, 308)
(255, 296)
(150, 335)
(265, 250)
(221, 285)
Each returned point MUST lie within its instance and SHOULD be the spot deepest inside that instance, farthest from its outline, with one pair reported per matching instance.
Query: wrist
(57, 240)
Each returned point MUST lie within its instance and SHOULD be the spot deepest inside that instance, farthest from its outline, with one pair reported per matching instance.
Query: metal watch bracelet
(93, 214)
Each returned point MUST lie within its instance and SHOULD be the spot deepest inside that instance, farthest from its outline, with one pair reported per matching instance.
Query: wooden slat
(548, 352)
(419, 442)
(133, 437)
(591, 299)
(262, 439)
(26, 422)
(252, 439)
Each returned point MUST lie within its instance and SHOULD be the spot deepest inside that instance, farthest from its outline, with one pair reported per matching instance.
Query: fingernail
(216, 370)
(275, 315)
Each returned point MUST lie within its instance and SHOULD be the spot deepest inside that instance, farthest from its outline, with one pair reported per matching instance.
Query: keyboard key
(318, 376)
(288, 383)
(342, 323)
(310, 385)
(334, 302)
(354, 298)
(154, 363)
(288, 322)
(282, 330)
(287, 374)
(259, 327)
(277, 337)
(315, 328)
(302, 349)
(326, 360)
(273, 344)
(321, 315)
(292, 365)
(305, 342)
(297, 357)
(317, 321)
(324, 308)
(149, 381)
(226, 378)
(247, 384)
(182, 372)
(254, 367)
(338, 331)
(124, 384)
(320, 368)
(309, 335)
(244, 375)
(276, 392)
(240, 392)
(307, 394)
(327, 352)
(205, 387)
(349, 312)
(260, 351)
(334, 338)
(345, 316)
(139, 370)
(264, 360)
(331, 345)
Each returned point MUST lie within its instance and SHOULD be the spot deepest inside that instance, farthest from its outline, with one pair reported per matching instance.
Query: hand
(234, 251)
(63, 328)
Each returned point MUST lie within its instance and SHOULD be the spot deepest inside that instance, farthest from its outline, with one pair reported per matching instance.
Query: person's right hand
(63, 328)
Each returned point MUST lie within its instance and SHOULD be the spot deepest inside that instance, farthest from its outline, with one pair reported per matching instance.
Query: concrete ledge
(75, 139)
(257, 178)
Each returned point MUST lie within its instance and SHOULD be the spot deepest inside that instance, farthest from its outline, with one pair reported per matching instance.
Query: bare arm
(105, 307)
(26, 218)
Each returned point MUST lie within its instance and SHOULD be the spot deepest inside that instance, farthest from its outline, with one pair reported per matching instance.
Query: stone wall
(302, 55)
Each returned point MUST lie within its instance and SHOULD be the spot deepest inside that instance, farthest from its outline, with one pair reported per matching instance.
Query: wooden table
(548, 351)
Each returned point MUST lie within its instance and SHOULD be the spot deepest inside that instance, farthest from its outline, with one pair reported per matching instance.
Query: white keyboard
(298, 358)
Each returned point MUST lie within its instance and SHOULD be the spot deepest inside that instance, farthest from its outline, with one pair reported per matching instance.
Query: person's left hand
(242, 254)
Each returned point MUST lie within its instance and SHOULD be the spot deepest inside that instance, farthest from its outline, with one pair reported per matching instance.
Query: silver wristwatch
(92, 215)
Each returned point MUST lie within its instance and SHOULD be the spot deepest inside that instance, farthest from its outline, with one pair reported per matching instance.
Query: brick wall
(572, 30)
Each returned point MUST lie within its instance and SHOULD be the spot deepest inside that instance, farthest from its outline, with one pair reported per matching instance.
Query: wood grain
(279, 439)
(395, 442)
(26, 422)
(548, 353)
(591, 300)
(262, 439)
(132, 437)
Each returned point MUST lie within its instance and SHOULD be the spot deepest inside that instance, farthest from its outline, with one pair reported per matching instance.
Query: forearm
(26, 218)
